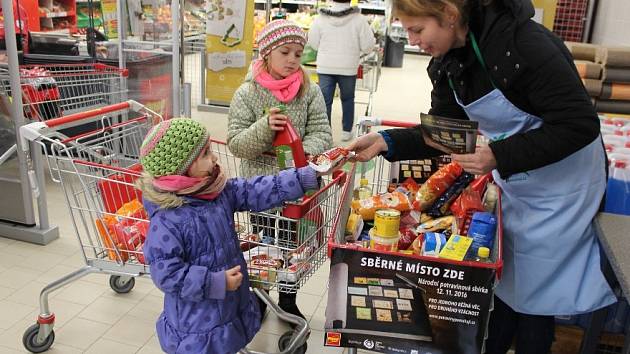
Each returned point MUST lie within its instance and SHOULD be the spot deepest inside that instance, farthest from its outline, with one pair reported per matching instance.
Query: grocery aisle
(91, 318)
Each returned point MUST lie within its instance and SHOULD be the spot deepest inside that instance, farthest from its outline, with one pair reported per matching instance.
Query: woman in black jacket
(493, 64)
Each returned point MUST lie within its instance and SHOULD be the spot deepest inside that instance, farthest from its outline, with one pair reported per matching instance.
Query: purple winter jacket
(188, 250)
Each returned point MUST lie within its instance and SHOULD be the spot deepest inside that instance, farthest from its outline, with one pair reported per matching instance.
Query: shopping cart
(98, 170)
(54, 90)
(351, 269)
(368, 76)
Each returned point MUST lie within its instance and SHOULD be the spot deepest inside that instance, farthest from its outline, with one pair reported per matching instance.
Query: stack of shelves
(56, 15)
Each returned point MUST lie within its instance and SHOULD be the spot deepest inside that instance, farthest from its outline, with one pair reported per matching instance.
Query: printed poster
(110, 21)
(229, 47)
(396, 304)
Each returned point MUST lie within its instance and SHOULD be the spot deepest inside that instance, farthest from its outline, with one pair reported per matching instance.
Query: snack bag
(330, 159)
(438, 224)
(468, 201)
(130, 211)
(441, 205)
(436, 185)
(368, 207)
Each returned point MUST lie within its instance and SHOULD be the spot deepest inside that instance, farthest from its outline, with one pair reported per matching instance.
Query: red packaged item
(436, 185)
(479, 184)
(407, 235)
(411, 185)
(328, 160)
(468, 201)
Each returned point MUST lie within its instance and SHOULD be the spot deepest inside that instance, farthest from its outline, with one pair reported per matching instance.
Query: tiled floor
(91, 318)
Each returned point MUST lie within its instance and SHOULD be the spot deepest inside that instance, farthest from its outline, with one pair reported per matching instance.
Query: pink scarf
(285, 89)
(207, 188)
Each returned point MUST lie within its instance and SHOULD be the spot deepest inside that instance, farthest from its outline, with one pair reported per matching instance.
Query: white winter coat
(340, 34)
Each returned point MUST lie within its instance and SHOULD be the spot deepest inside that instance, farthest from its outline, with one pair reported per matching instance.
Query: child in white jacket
(340, 34)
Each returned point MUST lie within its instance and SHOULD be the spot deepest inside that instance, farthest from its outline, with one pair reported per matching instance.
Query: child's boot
(288, 304)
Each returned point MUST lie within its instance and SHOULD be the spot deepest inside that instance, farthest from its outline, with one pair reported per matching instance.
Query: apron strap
(473, 40)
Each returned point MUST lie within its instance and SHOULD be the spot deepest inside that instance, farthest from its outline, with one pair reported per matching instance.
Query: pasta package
(442, 204)
(436, 185)
(368, 207)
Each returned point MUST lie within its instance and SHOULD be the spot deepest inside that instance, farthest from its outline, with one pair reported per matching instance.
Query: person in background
(277, 78)
(493, 64)
(340, 34)
(192, 248)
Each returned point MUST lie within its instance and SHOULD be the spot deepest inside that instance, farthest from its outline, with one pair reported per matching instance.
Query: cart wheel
(121, 285)
(29, 339)
(284, 341)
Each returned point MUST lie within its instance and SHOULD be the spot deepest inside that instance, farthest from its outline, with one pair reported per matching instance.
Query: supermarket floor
(91, 318)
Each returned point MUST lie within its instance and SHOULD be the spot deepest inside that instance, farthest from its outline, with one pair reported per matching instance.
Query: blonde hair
(165, 200)
(433, 8)
(306, 81)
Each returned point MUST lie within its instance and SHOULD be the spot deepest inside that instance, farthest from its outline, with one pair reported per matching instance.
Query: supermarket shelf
(56, 14)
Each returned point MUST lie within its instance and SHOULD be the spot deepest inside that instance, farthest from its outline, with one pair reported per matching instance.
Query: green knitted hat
(172, 146)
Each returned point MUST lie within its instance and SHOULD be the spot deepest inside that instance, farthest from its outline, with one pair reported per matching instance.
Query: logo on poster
(368, 344)
(333, 339)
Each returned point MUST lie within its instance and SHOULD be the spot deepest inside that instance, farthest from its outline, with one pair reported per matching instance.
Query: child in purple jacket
(192, 247)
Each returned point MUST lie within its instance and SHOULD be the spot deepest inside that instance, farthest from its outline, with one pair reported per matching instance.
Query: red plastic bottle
(288, 147)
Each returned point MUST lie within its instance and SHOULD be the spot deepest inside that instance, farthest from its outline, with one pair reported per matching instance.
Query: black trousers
(534, 334)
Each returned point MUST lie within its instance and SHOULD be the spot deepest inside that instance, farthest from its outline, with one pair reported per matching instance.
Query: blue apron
(550, 250)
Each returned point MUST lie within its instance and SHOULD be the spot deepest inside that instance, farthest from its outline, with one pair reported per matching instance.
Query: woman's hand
(368, 146)
(233, 278)
(479, 163)
(276, 120)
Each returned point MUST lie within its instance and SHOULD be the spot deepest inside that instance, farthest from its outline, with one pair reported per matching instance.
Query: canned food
(386, 223)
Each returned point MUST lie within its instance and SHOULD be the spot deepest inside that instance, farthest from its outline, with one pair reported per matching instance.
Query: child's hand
(233, 278)
(276, 120)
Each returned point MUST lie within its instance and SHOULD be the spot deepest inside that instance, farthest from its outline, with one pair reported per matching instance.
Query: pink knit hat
(278, 33)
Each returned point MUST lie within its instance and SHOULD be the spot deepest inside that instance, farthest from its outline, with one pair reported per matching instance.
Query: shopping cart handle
(51, 123)
(365, 122)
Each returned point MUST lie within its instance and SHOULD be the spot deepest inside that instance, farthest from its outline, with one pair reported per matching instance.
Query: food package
(264, 270)
(328, 160)
(416, 245)
(368, 207)
(293, 273)
(456, 248)
(129, 212)
(410, 218)
(436, 185)
(441, 205)
(437, 224)
(131, 237)
(467, 202)
(433, 244)
(407, 236)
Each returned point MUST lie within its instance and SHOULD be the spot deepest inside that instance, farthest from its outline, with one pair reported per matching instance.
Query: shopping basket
(98, 170)
(392, 302)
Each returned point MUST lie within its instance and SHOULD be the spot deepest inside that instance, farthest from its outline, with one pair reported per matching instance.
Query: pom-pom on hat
(172, 146)
(277, 33)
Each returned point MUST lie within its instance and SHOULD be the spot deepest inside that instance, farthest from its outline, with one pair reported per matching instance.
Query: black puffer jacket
(533, 69)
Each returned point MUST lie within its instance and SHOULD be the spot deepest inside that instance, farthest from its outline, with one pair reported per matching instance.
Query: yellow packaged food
(368, 207)
(437, 224)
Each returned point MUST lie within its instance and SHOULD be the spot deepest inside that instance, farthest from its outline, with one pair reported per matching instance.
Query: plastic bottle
(364, 192)
(483, 255)
(482, 230)
(288, 147)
